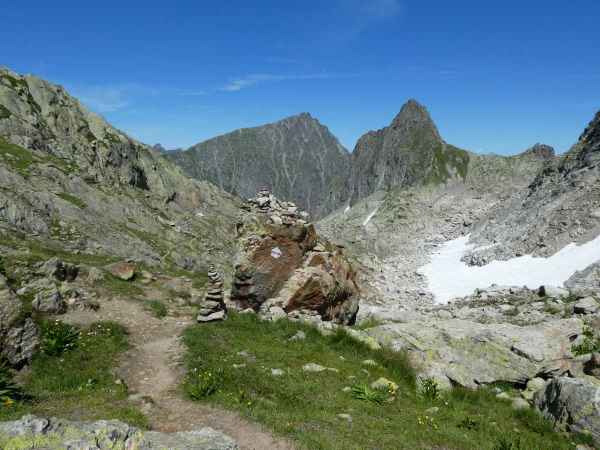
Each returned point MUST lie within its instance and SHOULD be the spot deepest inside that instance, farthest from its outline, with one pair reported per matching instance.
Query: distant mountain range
(299, 159)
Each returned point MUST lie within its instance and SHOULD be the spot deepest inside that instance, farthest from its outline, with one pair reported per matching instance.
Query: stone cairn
(213, 306)
(278, 212)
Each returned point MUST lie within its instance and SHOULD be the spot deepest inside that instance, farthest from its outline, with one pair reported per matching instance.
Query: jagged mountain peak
(298, 158)
(540, 151)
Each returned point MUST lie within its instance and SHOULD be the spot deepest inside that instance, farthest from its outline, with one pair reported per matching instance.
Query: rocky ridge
(560, 206)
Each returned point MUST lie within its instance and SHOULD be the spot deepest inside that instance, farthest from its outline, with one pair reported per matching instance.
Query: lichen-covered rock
(283, 266)
(572, 404)
(472, 354)
(53, 434)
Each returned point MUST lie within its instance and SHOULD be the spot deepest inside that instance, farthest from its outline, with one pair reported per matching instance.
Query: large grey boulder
(572, 404)
(19, 337)
(587, 305)
(49, 301)
(36, 432)
(471, 354)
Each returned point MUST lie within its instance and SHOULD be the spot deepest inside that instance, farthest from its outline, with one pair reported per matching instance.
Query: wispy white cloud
(110, 98)
(251, 80)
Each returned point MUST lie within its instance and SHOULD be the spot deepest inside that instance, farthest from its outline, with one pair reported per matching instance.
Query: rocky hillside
(561, 205)
(408, 152)
(297, 158)
(70, 182)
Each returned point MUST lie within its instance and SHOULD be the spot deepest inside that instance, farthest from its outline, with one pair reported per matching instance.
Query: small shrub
(429, 389)
(203, 383)
(58, 337)
(505, 443)
(157, 308)
(590, 343)
(364, 392)
(468, 424)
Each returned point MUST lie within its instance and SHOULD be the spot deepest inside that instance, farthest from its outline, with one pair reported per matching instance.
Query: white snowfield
(448, 277)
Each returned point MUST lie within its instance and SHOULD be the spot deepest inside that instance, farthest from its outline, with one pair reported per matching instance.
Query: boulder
(59, 270)
(278, 271)
(49, 301)
(20, 343)
(587, 305)
(19, 336)
(123, 270)
(572, 404)
(31, 431)
(471, 354)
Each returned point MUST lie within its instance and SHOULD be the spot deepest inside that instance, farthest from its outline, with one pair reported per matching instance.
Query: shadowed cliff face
(297, 158)
(410, 151)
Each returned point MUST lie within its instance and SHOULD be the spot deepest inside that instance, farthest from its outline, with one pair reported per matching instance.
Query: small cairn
(213, 306)
(278, 212)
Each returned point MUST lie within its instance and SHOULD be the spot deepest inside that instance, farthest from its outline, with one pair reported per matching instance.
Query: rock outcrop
(19, 336)
(55, 434)
(471, 354)
(297, 158)
(283, 267)
(572, 404)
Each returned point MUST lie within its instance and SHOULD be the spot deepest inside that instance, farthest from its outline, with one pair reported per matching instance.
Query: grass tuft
(157, 308)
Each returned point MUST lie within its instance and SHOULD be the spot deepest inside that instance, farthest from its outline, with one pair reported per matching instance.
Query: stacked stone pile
(213, 306)
(278, 212)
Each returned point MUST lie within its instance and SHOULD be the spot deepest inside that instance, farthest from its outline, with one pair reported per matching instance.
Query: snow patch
(448, 277)
(369, 217)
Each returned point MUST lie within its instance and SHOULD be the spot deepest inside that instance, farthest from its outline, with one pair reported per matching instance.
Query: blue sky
(496, 76)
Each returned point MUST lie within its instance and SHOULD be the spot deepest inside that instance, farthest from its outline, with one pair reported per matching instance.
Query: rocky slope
(71, 182)
(560, 206)
(297, 158)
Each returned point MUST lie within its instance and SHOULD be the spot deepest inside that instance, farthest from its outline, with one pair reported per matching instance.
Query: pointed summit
(297, 157)
(410, 151)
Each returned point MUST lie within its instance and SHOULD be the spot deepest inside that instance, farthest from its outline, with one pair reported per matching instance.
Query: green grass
(157, 308)
(72, 199)
(79, 384)
(21, 159)
(124, 288)
(16, 157)
(590, 343)
(305, 406)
